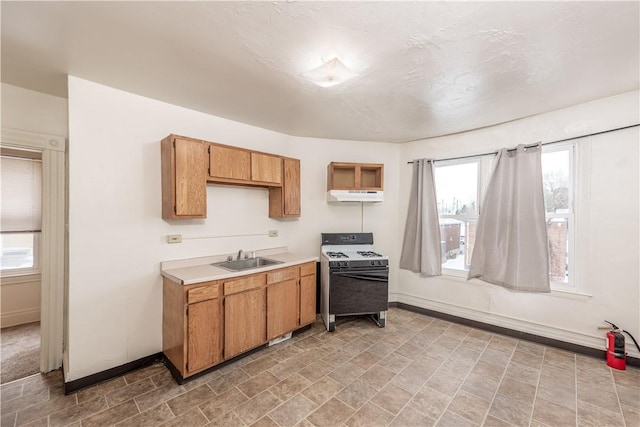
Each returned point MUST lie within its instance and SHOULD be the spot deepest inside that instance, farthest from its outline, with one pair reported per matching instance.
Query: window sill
(569, 293)
(21, 277)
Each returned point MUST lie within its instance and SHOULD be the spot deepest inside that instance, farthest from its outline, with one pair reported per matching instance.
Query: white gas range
(354, 278)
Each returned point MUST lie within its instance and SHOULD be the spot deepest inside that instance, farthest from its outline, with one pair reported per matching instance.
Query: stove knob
(373, 262)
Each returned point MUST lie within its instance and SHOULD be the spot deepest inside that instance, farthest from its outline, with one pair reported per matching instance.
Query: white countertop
(197, 270)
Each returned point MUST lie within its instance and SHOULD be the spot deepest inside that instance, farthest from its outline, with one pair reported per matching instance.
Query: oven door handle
(362, 277)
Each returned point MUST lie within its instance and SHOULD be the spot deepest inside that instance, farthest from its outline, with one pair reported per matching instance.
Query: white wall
(117, 237)
(31, 111)
(20, 298)
(607, 228)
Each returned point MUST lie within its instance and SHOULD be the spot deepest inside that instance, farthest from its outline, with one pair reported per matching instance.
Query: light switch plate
(174, 238)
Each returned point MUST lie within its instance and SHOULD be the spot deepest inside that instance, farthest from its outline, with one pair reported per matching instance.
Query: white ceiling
(425, 68)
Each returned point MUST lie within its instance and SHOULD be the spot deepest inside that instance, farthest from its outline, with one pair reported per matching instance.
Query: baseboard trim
(563, 345)
(20, 317)
(91, 380)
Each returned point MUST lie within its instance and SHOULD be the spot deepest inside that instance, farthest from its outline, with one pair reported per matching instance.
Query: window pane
(21, 194)
(457, 189)
(17, 251)
(458, 238)
(558, 237)
(555, 179)
(457, 194)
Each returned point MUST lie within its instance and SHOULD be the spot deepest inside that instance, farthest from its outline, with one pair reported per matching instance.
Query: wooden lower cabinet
(307, 300)
(245, 322)
(211, 322)
(192, 325)
(204, 327)
(282, 308)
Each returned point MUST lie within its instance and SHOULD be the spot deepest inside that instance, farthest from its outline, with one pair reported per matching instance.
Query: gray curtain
(421, 245)
(511, 238)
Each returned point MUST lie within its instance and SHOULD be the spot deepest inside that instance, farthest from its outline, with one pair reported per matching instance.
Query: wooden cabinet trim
(203, 293)
(245, 283)
(281, 275)
(308, 269)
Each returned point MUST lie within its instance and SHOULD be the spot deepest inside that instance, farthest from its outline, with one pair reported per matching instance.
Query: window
(557, 179)
(459, 186)
(21, 175)
(457, 193)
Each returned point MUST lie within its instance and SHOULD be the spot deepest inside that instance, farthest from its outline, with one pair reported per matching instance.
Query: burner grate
(337, 255)
(369, 254)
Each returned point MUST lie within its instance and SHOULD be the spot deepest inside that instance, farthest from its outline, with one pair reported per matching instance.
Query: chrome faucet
(239, 254)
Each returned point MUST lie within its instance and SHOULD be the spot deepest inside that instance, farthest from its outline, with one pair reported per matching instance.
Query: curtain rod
(535, 145)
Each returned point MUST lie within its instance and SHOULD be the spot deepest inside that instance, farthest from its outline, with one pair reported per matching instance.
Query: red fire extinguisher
(616, 354)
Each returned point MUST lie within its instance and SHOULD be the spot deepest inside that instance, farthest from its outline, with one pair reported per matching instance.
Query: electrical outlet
(174, 238)
(273, 233)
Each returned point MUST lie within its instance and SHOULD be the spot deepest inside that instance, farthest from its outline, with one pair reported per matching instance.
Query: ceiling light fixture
(331, 73)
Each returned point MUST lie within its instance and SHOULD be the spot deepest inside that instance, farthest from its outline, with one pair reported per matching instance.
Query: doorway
(52, 246)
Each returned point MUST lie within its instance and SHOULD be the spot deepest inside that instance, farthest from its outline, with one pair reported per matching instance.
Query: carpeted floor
(20, 351)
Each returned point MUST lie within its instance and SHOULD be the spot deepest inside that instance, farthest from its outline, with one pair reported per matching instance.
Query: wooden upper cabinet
(266, 168)
(355, 176)
(189, 164)
(284, 202)
(229, 163)
(184, 184)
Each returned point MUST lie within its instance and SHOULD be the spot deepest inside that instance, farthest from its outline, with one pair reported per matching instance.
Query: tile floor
(418, 371)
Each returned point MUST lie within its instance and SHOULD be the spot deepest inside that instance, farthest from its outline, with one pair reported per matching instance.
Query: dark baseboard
(574, 348)
(91, 380)
(178, 377)
(88, 381)
(100, 377)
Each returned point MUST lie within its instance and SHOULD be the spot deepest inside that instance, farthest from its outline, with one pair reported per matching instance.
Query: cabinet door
(184, 184)
(282, 308)
(266, 168)
(190, 181)
(229, 163)
(307, 299)
(284, 202)
(291, 187)
(204, 328)
(245, 321)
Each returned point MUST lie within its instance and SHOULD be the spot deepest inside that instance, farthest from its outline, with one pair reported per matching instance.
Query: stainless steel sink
(246, 264)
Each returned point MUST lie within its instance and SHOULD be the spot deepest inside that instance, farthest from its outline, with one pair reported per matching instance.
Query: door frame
(53, 240)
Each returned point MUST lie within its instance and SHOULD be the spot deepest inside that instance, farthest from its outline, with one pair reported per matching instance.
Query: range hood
(371, 196)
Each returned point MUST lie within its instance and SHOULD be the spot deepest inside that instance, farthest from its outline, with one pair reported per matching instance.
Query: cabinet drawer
(203, 293)
(282, 275)
(308, 269)
(244, 284)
